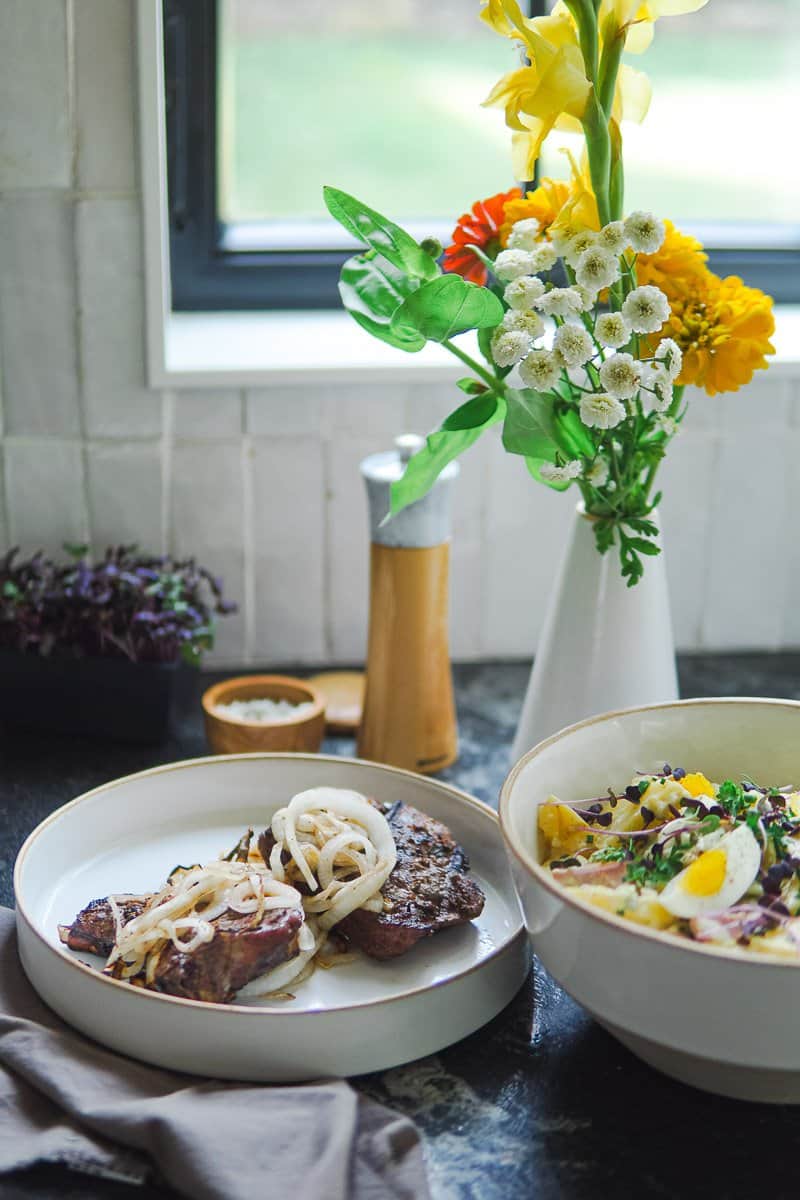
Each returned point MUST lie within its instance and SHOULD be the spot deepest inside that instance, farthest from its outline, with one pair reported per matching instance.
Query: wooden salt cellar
(409, 717)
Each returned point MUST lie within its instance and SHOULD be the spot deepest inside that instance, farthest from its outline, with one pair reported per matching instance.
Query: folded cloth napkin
(64, 1099)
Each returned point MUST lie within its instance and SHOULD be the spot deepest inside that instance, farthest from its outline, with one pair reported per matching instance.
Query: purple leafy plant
(126, 605)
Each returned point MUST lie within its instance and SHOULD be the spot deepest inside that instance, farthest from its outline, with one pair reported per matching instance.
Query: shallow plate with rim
(710, 1016)
(365, 1016)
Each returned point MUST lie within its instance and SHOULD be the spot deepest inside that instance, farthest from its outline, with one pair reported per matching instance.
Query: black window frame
(206, 276)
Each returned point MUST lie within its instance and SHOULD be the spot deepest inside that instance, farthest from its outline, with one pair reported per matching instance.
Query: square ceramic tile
(348, 548)
(202, 414)
(207, 521)
(46, 494)
(105, 99)
(286, 411)
(687, 478)
(116, 399)
(38, 316)
(35, 147)
(289, 551)
(762, 404)
(375, 410)
(125, 495)
(790, 626)
(751, 535)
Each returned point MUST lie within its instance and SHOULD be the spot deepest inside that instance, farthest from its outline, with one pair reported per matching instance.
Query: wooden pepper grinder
(409, 717)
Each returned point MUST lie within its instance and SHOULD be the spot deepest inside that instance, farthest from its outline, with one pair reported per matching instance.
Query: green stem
(494, 383)
(598, 149)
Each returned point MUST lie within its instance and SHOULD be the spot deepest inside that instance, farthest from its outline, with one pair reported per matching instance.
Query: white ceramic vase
(603, 645)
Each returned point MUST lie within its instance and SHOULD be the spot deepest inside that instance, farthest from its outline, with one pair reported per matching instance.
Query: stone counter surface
(540, 1103)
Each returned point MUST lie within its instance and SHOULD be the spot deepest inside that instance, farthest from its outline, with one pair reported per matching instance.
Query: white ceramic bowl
(708, 1016)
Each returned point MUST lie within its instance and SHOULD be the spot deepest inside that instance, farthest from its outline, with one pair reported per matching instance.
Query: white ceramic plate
(127, 835)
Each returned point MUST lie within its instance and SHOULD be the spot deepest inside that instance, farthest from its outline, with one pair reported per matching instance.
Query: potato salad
(715, 862)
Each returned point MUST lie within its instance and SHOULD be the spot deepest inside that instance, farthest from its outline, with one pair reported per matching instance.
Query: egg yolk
(698, 785)
(706, 875)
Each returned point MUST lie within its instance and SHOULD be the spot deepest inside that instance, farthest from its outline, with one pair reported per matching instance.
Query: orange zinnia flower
(479, 227)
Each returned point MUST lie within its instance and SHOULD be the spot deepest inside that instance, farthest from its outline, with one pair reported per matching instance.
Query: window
(266, 102)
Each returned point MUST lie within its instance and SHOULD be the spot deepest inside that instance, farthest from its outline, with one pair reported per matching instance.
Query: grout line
(327, 552)
(167, 446)
(77, 324)
(248, 538)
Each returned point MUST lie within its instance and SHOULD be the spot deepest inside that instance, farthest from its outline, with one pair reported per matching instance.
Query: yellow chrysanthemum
(723, 328)
(545, 203)
(680, 260)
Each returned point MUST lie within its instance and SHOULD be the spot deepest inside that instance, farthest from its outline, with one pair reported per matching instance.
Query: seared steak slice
(238, 953)
(93, 929)
(428, 890)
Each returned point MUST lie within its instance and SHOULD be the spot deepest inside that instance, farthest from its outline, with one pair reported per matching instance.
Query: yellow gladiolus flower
(544, 203)
(636, 19)
(580, 210)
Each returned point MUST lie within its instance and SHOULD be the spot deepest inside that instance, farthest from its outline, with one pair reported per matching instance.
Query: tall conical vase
(603, 645)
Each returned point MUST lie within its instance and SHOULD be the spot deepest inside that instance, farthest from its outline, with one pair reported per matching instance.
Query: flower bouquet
(589, 322)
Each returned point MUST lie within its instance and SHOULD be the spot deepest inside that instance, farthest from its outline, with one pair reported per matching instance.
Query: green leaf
(10, 590)
(76, 549)
(572, 436)
(529, 427)
(644, 547)
(446, 306)
(472, 387)
(388, 239)
(457, 434)
(372, 290)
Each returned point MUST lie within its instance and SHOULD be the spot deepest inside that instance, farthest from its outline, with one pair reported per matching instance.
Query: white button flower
(656, 379)
(524, 234)
(620, 375)
(575, 248)
(597, 268)
(540, 370)
(511, 264)
(612, 237)
(597, 474)
(545, 257)
(644, 232)
(572, 345)
(509, 346)
(527, 321)
(668, 426)
(612, 330)
(523, 291)
(561, 302)
(646, 308)
(554, 474)
(600, 411)
(588, 296)
(670, 355)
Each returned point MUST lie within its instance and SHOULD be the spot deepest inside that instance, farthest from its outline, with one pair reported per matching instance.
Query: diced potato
(625, 901)
(563, 829)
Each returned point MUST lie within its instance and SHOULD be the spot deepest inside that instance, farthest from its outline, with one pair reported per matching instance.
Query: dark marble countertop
(540, 1103)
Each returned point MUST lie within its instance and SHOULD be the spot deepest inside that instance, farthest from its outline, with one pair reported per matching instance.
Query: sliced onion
(278, 977)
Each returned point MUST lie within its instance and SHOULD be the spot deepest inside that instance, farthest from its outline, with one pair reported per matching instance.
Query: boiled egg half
(717, 878)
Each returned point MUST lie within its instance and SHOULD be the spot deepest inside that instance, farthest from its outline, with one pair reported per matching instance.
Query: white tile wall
(263, 486)
(46, 493)
(36, 145)
(104, 116)
(38, 315)
(116, 400)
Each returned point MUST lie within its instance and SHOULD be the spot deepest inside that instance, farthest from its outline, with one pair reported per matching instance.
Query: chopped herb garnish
(609, 854)
(731, 796)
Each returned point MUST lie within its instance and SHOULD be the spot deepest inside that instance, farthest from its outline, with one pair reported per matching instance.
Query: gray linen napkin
(64, 1099)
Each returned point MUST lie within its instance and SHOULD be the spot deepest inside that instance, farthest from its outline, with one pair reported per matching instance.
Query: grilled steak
(215, 971)
(428, 890)
(238, 953)
(93, 928)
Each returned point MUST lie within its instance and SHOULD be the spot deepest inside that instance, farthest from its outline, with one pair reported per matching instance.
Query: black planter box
(100, 697)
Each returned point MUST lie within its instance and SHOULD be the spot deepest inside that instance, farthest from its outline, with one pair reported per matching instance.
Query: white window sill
(260, 349)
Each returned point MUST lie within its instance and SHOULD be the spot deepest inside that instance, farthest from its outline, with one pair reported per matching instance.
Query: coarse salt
(264, 710)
